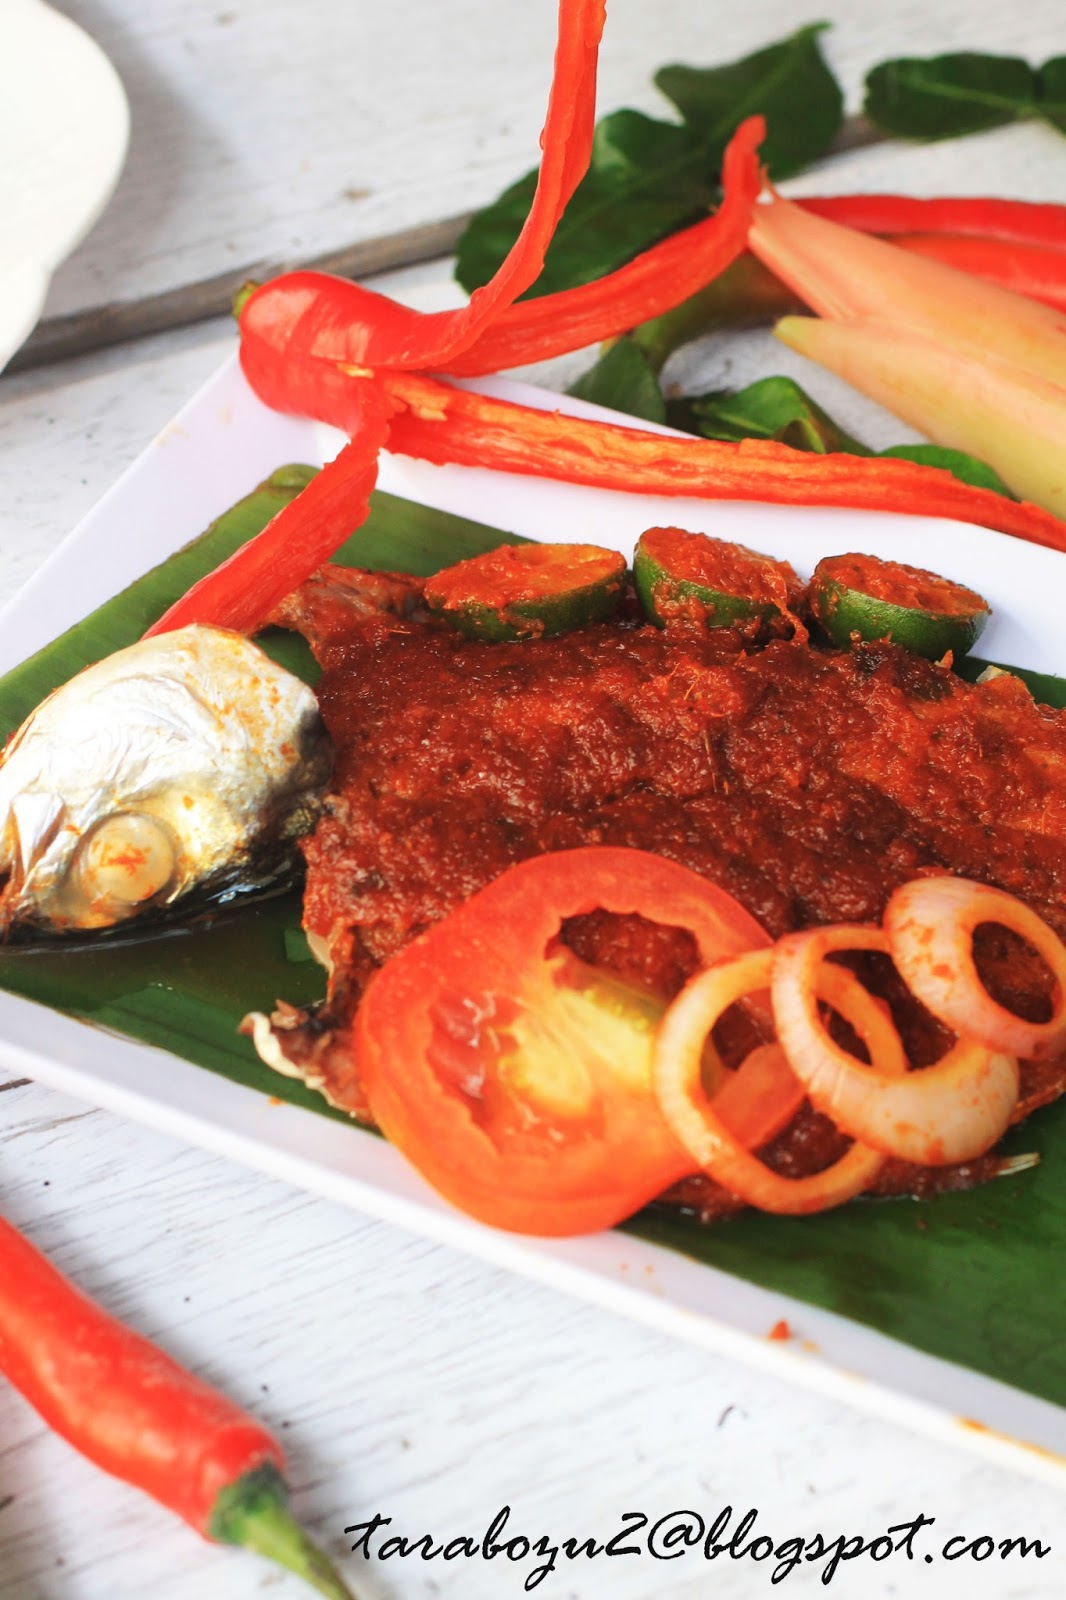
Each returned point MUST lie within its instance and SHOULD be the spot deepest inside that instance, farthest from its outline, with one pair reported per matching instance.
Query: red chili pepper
(1020, 221)
(443, 424)
(134, 1412)
(320, 321)
(325, 348)
(1018, 244)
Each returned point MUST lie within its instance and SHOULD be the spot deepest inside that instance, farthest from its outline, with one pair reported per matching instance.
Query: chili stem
(254, 1513)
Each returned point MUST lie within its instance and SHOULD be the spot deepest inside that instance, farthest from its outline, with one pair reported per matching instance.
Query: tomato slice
(513, 1076)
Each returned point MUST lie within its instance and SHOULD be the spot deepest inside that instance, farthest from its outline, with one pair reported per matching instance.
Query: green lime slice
(859, 595)
(691, 577)
(529, 591)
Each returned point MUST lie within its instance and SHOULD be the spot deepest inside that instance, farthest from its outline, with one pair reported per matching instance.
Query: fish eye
(125, 860)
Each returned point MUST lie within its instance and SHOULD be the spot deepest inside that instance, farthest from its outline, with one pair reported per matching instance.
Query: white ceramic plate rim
(64, 130)
(215, 451)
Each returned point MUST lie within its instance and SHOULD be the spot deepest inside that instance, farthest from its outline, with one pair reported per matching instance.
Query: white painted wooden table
(404, 1378)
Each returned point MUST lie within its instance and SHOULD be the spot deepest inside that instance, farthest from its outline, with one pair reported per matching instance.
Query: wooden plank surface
(279, 133)
(403, 1377)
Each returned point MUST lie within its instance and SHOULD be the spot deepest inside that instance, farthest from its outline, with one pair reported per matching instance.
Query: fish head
(187, 763)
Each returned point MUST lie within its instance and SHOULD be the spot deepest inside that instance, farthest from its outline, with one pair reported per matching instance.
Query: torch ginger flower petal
(987, 407)
(849, 276)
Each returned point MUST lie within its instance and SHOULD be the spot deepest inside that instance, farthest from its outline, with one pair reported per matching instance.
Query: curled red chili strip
(653, 283)
(443, 424)
(315, 315)
(299, 329)
(244, 590)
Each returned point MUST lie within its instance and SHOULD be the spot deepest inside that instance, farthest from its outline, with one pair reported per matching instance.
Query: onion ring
(694, 1120)
(952, 1111)
(930, 925)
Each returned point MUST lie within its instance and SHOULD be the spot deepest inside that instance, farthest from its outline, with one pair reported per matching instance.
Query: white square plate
(218, 448)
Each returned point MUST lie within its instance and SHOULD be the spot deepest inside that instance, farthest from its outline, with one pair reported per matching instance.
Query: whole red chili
(137, 1414)
(1038, 271)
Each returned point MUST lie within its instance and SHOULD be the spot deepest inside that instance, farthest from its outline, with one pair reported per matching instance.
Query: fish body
(186, 762)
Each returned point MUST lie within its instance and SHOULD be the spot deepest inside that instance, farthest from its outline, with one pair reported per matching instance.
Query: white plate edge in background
(64, 133)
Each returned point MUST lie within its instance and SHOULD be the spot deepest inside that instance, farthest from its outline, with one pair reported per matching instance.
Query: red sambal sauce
(807, 782)
(718, 564)
(898, 584)
(515, 573)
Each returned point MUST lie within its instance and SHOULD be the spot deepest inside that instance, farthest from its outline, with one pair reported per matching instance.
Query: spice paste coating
(809, 783)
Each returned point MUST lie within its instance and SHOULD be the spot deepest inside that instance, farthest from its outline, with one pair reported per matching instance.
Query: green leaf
(623, 379)
(944, 96)
(946, 1276)
(1051, 92)
(788, 83)
(744, 294)
(772, 408)
(648, 178)
(967, 468)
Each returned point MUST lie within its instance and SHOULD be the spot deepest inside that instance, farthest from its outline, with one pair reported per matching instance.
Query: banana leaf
(968, 1277)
